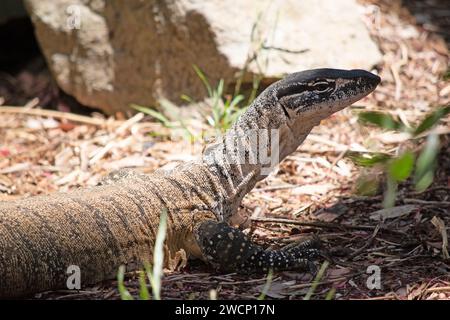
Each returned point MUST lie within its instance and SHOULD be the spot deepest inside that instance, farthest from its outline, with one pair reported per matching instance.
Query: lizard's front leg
(229, 249)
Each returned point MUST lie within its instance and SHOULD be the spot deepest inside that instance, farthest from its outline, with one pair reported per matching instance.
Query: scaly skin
(115, 223)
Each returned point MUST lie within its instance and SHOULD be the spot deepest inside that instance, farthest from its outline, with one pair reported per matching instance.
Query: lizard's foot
(229, 249)
(311, 248)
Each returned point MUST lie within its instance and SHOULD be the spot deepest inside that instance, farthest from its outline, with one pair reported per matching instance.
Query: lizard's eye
(321, 86)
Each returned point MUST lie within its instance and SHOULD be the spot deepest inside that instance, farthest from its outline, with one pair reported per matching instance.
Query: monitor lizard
(101, 228)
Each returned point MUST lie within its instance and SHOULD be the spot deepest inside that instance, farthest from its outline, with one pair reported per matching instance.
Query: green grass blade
(317, 279)
(391, 193)
(220, 87)
(211, 121)
(124, 293)
(213, 294)
(143, 291)
(158, 256)
(148, 270)
(153, 113)
(235, 101)
(330, 294)
(203, 78)
(170, 109)
(267, 285)
(255, 86)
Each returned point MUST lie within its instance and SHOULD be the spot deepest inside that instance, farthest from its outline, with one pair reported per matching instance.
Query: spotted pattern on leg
(229, 249)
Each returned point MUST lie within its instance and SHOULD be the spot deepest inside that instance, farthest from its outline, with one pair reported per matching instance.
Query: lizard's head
(316, 94)
(291, 107)
(297, 103)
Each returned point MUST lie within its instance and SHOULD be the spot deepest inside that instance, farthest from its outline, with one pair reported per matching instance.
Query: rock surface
(108, 54)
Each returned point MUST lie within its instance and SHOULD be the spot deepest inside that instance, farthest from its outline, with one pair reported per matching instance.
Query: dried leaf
(16, 168)
(277, 290)
(440, 225)
(393, 212)
(313, 189)
(367, 185)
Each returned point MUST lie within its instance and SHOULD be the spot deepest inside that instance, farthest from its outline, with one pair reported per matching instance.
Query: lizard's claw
(312, 268)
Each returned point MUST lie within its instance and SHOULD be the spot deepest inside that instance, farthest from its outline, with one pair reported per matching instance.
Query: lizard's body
(100, 228)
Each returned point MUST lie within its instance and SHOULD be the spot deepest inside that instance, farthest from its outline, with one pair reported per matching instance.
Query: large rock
(109, 54)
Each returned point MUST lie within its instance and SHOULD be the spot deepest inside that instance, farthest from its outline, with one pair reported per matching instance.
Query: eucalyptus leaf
(400, 168)
(426, 163)
(382, 120)
(367, 159)
(431, 120)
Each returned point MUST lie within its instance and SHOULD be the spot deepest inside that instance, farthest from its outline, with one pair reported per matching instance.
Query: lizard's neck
(248, 152)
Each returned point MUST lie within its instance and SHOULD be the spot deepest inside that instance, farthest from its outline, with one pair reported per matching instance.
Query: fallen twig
(367, 244)
(426, 202)
(320, 224)
(56, 114)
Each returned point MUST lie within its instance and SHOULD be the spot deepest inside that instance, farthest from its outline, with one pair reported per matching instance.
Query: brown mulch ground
(312, 191)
